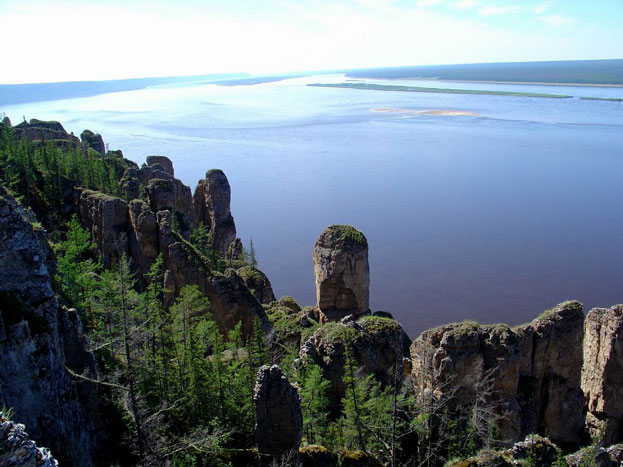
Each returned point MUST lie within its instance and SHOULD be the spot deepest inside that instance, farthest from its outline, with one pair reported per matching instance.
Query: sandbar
(449, 113)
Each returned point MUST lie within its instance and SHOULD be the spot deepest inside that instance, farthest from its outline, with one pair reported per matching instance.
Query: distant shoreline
(388, 87)
(539, 83)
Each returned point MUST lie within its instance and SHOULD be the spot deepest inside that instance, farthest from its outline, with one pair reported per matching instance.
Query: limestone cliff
(602, 373)
(108, 219)
(38, 340)
(531, 373)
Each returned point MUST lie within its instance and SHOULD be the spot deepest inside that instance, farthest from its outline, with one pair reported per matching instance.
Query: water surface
(493, 218)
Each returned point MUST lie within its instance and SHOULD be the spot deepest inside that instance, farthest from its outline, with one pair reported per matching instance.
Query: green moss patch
(347, 233)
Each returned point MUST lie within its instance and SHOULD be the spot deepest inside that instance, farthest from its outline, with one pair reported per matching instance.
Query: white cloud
(465, 4)
(496, 10)
(427, 3)
(556, 20)
(542, 7)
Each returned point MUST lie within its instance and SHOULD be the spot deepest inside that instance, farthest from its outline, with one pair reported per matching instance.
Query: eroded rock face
(602, 373)
(42, 131)
(258, 283)
(109, 222)
(17, 449)
(279, 425)
(93, 141)
(212, 207)
(144, 244)
(174, 196)
(376, 343)
(164, 162)
(38, 340)
(531, 372)
(342, 272)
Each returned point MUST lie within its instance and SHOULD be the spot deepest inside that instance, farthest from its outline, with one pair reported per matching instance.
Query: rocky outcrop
(212, 207)
(534, 450)
(279, 419)
(595, 456)
(377, 347)
(144, 245)
(529, 376)
(93, 141)
(174, 196)
(161, 226)
(231, 301)
(163, 161)
(40, 131)
(38, 341)
(18, 450)
(258, 283)
(108, 219)
(602, 373)
(342, 272)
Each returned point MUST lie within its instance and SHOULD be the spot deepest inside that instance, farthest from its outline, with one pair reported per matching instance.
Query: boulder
(342, 272)
(602, 373)
(279, 419)
(212, 207)
(108, 219)
(528, 376)
(258, 283)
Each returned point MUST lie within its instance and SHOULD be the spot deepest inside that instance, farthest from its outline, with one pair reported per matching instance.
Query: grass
(391, 87)
(348, 233)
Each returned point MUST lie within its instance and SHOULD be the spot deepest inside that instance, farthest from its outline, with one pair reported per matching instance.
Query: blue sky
(91, 40)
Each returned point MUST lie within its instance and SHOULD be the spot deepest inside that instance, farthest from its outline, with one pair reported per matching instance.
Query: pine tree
(314, 403)
(76, 269)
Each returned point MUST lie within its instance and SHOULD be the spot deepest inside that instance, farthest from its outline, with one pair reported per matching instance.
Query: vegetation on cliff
(180, 385)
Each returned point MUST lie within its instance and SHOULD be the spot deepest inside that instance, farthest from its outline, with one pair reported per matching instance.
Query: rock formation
(530, 375)
(597, 457)
(602, 373)
(41, 131)
(174, 196)
(211, 202)
(108, 220)
(258, 283)
(38, 340)
(93, 141)
(163, 161)
(279, 425)
(342, 272)
(377, 347)
(144, 246)
(18, 450)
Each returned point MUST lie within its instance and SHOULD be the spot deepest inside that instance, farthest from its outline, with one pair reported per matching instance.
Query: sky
(73, 40)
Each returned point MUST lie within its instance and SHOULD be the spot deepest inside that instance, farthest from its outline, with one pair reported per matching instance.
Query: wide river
(493, 217)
